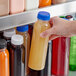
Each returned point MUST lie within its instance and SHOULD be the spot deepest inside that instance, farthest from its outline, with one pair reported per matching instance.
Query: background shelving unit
(28, 17)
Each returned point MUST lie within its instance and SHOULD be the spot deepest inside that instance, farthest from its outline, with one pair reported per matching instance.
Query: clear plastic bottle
(58, 1)
(39, 45)
(7, 36)
(4, 7)
(16, 52)
(16, 6)
(23, 30)
(72, 60)
(4, 59)
(47, 70)
(60, 56)
(44, 3)
(31, 4)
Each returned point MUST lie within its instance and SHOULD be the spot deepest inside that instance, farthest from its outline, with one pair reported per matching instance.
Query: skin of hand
(60, 28)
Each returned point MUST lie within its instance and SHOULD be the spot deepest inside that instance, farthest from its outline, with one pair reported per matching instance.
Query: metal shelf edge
(27, 17)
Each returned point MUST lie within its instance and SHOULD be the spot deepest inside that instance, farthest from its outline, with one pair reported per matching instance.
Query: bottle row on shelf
(25, 54)
(17, 6)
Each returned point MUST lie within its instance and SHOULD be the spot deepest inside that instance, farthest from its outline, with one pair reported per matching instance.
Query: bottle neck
(42, 21)
(2, 50)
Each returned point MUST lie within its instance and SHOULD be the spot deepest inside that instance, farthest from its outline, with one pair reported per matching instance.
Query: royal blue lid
(22, 28)
(42, 15)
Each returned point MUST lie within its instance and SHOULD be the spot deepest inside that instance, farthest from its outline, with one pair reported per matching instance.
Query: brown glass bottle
(17, 64)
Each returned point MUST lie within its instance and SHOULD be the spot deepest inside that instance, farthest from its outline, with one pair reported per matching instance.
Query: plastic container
(72, 63)
(4, 7)
(44, 3)
(39, 45)
(23, 30)
(72, 60)
(4, 59)
(60, 56)
(16, 6)
(17, 53)
(46, 70)
(7, 36)
(31, 4)
(58, 1)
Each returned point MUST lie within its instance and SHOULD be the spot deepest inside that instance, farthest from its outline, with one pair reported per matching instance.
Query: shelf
(28, 17)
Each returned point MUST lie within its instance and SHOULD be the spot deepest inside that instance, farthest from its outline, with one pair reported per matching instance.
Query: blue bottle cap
(45, 16)
(22, 28)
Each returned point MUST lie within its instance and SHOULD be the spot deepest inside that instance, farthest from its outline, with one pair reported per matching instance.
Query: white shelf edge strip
(27, 17)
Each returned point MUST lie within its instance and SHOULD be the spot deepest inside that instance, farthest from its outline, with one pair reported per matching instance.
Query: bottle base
(72, 67)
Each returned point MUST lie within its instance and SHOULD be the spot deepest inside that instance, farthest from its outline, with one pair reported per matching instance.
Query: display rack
(28, 17)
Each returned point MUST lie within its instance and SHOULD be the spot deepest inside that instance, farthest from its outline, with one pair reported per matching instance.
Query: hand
(60, 28)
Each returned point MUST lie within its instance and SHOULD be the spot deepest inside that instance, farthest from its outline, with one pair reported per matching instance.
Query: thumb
(48, 32)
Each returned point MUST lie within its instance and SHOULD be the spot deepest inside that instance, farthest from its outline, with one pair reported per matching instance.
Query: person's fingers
(53, 37)
(47, 32)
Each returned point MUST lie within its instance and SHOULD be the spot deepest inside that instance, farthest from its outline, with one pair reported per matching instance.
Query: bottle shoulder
(42, 23)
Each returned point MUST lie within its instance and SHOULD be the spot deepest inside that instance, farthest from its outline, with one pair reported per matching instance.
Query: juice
(16, 6)
(39, 45)
(43, 3)
(72, 60)
(47, 69)
(72, 63)
(4, 59)
(23, 30)
(60, 56)
(4, 7)
(16, 52)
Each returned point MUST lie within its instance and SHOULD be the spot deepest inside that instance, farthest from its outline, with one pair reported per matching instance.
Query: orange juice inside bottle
(4, 59)
(39, 45)
(43, 3)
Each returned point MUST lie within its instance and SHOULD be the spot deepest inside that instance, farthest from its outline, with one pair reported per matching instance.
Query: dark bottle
(1, 34)
(60, 56)
(17, 64)
(7, 36)
(47, 70)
